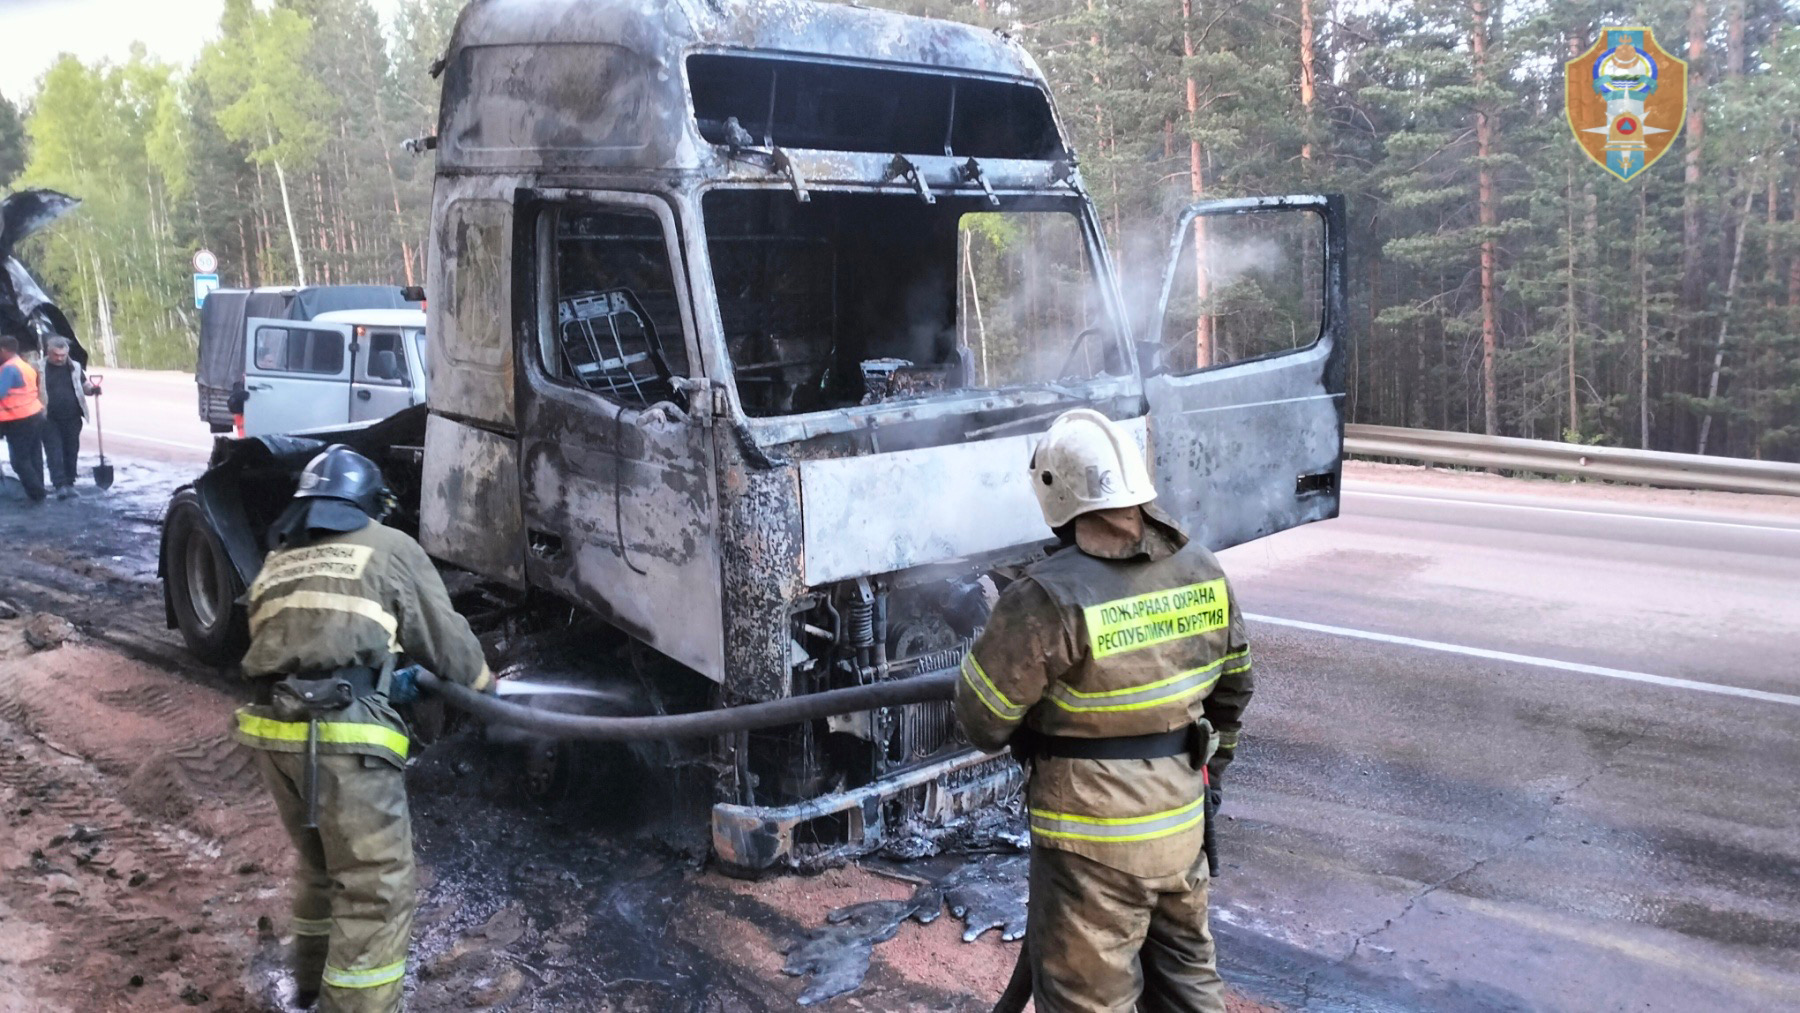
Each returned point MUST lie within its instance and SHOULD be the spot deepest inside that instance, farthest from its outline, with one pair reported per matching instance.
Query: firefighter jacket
(1142, 640)
(360, 598)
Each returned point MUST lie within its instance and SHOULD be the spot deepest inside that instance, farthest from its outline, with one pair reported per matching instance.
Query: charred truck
(745, 318)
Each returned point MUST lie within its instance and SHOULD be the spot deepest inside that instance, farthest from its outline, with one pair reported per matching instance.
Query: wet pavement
(1405, 829)
(1454, 832)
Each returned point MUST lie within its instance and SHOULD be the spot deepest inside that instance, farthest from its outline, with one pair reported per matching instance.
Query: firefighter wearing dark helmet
(339, 598)
(1119, 670)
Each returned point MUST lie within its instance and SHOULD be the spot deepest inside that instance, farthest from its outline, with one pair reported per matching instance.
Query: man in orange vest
(22, 418)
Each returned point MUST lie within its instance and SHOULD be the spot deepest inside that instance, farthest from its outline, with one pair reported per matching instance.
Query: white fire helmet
(1087, 462)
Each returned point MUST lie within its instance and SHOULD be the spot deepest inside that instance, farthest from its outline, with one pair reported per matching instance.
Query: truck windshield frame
(807, 101)
(864, 302)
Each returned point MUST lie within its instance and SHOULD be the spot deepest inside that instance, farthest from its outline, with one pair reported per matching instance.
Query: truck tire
(203, 585)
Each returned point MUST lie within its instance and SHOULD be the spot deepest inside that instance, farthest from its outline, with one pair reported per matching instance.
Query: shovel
(103, 472)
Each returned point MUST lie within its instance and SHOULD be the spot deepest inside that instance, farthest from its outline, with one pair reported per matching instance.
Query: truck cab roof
(621, 85)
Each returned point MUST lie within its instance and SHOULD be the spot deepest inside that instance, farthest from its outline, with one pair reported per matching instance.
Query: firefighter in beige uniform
(337, 600)
(1119, 670)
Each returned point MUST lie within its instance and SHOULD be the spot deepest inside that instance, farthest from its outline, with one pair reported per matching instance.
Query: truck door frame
(1248, 448)
(619, 502)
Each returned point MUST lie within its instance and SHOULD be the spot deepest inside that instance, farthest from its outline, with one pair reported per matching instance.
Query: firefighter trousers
(1102, 940)
(355, 888)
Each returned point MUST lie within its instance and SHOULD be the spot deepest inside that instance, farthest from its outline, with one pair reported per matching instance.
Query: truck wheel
(203, 585)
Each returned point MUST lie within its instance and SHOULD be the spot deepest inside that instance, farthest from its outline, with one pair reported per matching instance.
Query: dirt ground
(142, 867)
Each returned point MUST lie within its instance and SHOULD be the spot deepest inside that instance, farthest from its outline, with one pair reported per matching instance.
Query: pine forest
(1500, 281)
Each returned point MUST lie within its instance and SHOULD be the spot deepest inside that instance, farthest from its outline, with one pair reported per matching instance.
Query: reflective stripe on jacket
(258, 728)
(360, 598)
(1095, 647)
(21, 402)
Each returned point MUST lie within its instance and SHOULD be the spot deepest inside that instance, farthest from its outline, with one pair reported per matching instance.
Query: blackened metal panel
(469, 501)
(469, 310)
(795, 26)
(762, 558)
(858, 33)
(619, 517)
(1252, 448)
(566, 84)
(548, 107)
(619, 503)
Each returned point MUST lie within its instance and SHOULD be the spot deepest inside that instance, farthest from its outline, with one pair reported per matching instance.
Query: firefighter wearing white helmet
(1118, 670)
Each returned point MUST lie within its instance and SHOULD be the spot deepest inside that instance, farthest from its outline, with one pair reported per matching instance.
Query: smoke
(1246, 285)
(1026, 295)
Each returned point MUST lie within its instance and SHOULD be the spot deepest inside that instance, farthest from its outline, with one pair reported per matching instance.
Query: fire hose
(939, 685)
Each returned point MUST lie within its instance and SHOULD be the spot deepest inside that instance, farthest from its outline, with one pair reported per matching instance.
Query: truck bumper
(751, 839)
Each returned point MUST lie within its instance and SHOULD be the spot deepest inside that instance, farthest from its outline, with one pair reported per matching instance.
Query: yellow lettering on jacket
(340, 562)
(1130, 624)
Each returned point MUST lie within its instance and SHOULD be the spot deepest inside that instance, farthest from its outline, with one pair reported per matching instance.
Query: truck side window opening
(617, 324)
(1245, 286)
(852, 299)
(299, 350)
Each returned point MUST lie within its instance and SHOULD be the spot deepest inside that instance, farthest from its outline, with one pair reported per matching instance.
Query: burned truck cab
(745, 318)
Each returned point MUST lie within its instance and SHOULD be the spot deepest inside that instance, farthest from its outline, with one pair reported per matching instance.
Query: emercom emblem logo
(1626, 99)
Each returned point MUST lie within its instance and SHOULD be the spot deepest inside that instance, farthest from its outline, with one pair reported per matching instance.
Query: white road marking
(1526, 659)
(1611, 515)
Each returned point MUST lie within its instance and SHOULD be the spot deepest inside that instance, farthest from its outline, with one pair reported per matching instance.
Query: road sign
(205, 262)
(203, 283)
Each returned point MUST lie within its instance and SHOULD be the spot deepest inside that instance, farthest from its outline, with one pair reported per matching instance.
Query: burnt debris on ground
(985, 891)
(560, 905)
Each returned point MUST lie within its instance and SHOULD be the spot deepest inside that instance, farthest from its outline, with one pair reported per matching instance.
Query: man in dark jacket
(66, 388)
(336, 602)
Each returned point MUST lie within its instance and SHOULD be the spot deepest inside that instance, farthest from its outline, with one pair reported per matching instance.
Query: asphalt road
(1515, 752)
(149, 415)
(1512, 748)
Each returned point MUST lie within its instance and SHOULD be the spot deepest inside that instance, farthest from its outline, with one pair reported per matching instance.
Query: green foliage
(265, 91)
(12, 141)
(1393, 126)
(1629, 277)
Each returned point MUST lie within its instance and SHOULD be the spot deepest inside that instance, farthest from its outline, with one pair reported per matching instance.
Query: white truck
(745, 318)
(281, 360)
(339, 368)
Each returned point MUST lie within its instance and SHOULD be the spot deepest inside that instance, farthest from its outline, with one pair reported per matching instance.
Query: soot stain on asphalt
(568, 905)
(545, 908)
(119, 528)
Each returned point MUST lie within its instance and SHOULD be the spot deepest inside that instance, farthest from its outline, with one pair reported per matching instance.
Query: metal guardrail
(1612, 464)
